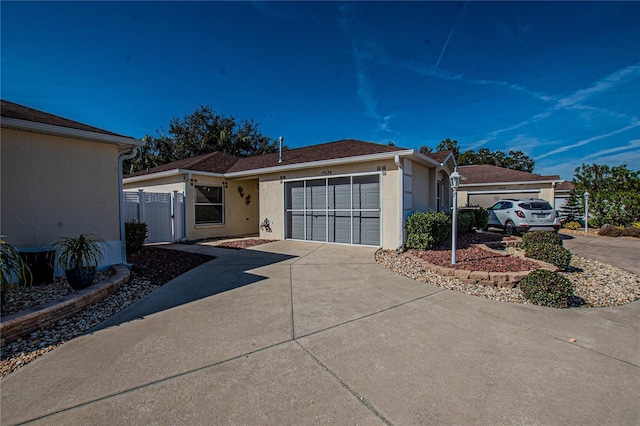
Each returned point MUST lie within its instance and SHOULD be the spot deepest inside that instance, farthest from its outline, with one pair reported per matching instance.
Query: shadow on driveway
(225, 273)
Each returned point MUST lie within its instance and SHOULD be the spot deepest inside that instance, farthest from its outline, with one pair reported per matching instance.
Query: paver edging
(484, 278)
(27, 321)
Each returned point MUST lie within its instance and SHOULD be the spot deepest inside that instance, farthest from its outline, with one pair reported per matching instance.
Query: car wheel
(510, 228)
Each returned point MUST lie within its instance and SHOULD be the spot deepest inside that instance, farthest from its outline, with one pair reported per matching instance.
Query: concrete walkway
(294, 333)
(621, 252)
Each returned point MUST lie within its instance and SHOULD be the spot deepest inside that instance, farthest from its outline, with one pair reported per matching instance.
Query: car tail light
(519, 214)
(557, 215)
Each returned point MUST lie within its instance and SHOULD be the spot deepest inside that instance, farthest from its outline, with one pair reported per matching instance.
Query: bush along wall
(427, 230)
(466, 220)
(135, 233)
(540, 237)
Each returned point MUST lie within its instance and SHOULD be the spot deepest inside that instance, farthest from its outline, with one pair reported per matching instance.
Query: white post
(586, 211)
(454, 180)
(454, 226)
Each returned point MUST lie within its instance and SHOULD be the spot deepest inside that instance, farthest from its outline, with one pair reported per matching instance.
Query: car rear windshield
(536, 205)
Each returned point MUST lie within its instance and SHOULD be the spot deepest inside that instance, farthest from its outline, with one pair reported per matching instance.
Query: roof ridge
(205, 157)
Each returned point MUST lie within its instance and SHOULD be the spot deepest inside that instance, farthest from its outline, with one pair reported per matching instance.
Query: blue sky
(558, 80)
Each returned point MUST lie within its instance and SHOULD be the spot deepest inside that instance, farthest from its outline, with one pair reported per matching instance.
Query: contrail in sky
(446, 43)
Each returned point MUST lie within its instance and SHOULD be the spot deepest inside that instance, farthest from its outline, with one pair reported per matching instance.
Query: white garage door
(343, 209)
(487, 199)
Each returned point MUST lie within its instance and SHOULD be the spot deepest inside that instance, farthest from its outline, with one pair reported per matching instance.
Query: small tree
(614, 193)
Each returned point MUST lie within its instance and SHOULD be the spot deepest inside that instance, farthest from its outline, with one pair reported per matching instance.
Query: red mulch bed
(240, 244)
(162, 265)
(469, 257)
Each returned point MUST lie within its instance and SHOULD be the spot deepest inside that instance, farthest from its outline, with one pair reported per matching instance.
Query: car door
(504, 213)
(493, 217)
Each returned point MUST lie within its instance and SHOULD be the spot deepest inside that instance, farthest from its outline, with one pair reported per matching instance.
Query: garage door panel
(330, 210)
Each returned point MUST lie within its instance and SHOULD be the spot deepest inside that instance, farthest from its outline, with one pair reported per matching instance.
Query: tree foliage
(614, 194)
(201, 132)
(515, 160)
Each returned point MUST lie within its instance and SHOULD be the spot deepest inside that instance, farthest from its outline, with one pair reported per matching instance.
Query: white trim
(321, 163)
(529, 182)
(503, 191)
(32, 126)
(172, 172)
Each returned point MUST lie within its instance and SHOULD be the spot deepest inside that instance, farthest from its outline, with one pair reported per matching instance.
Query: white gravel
(596, 283)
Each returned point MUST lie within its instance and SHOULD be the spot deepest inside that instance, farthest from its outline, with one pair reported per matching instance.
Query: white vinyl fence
(164, 213)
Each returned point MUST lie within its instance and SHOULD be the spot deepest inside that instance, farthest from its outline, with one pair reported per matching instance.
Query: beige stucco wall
(547, 192)
(240, 218)
(56, 187)
(272, 196)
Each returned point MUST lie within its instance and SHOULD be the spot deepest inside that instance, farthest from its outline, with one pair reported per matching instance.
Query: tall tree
(515, 160)
(614, 193)
(201, 132)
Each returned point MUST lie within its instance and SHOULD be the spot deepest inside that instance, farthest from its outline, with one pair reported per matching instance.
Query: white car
(527, 214)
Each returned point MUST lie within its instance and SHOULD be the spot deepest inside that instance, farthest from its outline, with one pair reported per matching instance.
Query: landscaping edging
(484, 278)
(27, 321)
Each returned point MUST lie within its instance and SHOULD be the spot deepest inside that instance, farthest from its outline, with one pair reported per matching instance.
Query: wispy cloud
(495, 133)
(588, 140)
(600, 86)
(630, 150)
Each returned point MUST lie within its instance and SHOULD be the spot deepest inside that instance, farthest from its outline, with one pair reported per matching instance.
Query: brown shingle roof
(439, 156)
(326, 151)
(485, 173)
(567, 185)
(218, 162)
(13, 110)
(215, 162)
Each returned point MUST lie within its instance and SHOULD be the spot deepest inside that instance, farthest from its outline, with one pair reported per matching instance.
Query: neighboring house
(349, 192)
(60, 178)
(486, 184)
(562, 194)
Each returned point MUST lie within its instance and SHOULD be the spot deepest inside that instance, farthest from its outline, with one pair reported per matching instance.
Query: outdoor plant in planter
(79, 257)
(15, 273)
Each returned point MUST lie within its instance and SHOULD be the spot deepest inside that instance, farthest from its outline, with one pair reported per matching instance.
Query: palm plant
(79, 252)
(15, 272)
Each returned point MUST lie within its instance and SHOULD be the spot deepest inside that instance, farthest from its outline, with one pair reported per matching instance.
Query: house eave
(123, 142)
(528, 182)
(168, 173)
(323, 163)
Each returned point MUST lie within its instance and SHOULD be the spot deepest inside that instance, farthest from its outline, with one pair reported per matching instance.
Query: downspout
(123, 239)
(187, 180)
(400, 202)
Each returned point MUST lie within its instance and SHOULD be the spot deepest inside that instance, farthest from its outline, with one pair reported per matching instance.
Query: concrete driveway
(304, 333)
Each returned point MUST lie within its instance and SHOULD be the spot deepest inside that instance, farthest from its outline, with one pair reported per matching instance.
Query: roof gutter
(511, 183)
(123, 238)
(173, 172)
(321, 163)
(50, 129)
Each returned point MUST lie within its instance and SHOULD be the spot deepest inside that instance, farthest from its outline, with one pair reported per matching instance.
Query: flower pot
(80, 278)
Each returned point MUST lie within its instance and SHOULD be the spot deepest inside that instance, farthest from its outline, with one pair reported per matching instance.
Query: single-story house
(60, 178)
(485, 184)
(562, 194)
(348, 191)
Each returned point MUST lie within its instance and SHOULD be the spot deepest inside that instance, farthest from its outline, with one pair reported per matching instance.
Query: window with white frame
(209, 205)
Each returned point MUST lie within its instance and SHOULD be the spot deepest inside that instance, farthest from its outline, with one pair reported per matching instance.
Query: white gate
(162, 212)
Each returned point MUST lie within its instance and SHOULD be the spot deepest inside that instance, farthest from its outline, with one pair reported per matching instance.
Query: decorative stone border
(29, 320)
(484, 278)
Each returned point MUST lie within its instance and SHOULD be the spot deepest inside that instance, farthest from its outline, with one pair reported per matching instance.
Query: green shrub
(540, 237)
(550, 253)
(427, 230)
(547, 288)
(466, 220)
(136, 233)
(481, 218)
(610, 231)
(572, 225)
(635, 225)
